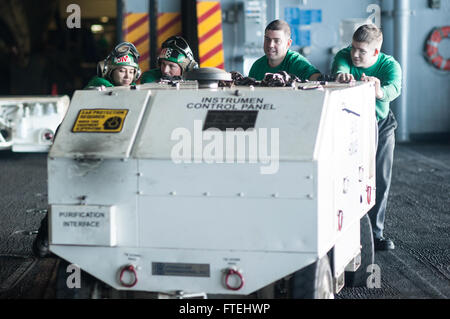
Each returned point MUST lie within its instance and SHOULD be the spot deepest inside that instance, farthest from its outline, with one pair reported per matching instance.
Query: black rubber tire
(313, 282)
(5, 134)
(40, 244)
(359, 277)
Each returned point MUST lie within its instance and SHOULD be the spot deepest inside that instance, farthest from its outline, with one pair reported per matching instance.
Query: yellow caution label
(100, 121)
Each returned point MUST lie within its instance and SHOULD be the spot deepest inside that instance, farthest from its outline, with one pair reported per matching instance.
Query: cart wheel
(359, 277)
(90, 288)
(4, 134)
(313, 282)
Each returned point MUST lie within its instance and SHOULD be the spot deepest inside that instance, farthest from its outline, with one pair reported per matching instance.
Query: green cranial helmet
(124, 54)
(175, 49)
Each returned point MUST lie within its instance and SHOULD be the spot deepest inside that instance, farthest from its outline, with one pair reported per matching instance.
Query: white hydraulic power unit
(171, 188)
(29, 123)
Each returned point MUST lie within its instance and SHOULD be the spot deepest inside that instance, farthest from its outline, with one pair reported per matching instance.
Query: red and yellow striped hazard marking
(168, 24)
(210, 36)
(135, 29)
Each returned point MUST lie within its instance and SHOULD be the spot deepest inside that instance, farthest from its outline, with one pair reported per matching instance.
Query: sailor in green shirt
(363, 61)
(174, 60)
(120, 68)
(278, 57)
(382, 69)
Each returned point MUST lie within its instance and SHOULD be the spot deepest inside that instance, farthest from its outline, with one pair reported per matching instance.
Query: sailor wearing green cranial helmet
(120, 68)
(174, 60)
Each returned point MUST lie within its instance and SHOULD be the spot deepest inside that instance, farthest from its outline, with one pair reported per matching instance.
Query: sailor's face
(363, 54)
(123, 76)
(276, 44)
(169, 68)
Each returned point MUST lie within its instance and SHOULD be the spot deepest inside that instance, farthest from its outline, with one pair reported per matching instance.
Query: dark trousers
(384, 160)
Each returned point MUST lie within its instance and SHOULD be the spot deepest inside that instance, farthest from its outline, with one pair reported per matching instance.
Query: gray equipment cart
(145, 195)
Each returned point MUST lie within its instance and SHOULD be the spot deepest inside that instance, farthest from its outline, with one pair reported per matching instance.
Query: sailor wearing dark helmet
(174, 60)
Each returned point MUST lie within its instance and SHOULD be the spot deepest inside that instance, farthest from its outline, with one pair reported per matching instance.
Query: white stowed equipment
(139, 200)
(29, 123)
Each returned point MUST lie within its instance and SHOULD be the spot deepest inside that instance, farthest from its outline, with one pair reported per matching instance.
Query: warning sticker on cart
(100, 121)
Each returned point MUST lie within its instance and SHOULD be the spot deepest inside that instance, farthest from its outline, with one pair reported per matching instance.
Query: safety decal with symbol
(100, 121)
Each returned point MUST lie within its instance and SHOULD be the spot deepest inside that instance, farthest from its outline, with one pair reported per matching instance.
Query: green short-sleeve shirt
(153, 75)
(386, 69)
(98, 81)
(293, 63)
